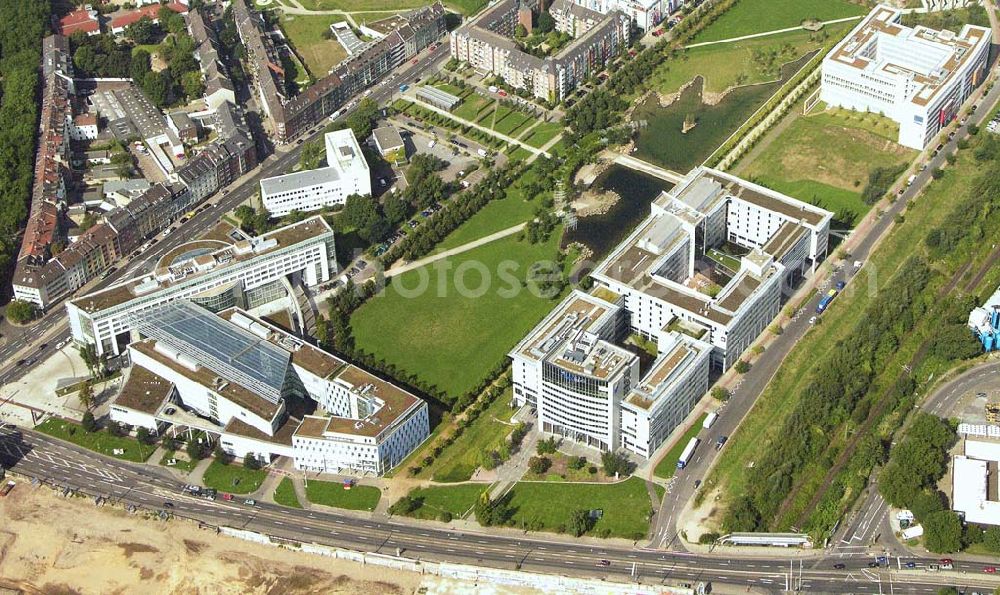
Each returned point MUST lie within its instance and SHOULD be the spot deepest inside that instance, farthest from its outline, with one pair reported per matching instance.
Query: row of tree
(25, 23)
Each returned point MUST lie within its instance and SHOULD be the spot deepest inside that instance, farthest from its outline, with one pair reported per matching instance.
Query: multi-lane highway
(154, 489)
(35, 342)
(753, 383)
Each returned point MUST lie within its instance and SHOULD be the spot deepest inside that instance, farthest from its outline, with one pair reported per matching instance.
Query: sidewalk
(416, 264)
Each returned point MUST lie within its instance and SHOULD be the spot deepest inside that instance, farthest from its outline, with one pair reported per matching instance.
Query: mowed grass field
(541, 134)
(307, 35)
(542, 506)
(726, 65)
(456, 500)
(497, 215)
(824, 158)
(332, 493)
(788, 386)
(758, 16)
(452, 338)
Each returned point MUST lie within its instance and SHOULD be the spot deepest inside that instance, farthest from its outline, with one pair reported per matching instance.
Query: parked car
(250, 502)
(839, 566)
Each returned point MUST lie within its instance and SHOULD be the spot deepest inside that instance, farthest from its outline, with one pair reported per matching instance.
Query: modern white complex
(917, 76)
(711, 259)
(223, 269)
(346, 173)
(974, 481)
(587, 388)
(263, 392)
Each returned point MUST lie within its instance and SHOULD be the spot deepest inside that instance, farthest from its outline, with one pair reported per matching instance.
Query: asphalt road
(755, 381)
(53, 327)
(148, 487)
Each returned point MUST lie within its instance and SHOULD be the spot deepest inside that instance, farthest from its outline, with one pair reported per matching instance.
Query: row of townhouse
(486, 43)
(43, 277)
(218, 86)
(293, 116)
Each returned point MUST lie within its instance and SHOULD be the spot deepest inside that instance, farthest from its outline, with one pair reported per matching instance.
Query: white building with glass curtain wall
(261, 391)
(224, 269)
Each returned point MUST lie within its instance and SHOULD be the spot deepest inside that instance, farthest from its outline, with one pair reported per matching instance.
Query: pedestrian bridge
(648, 168)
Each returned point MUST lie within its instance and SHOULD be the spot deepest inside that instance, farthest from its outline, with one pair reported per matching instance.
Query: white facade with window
(916, 76)
(346, 173)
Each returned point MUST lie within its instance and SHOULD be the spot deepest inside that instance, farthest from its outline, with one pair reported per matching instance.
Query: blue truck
(823, 303)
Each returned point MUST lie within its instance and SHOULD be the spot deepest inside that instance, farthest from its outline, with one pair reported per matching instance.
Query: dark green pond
(601, 233)
(661, 141)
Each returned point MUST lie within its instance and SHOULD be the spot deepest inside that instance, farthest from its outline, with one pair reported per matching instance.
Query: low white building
(974, 483)
(587, 388)
(916, 76)
(263, 392)
(346, 173)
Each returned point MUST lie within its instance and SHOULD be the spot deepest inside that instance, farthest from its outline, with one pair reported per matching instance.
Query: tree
(362, 121)
(144, 436)
(917, 462)
(615, 463)
(192, 84)
(85, 59)
(157, 86)
(545, 22)
(491, 513)
(139, 65)
(142, 32)
(405, 505)
(991, 539)
(251, 462)
(539, 465)
(88, 422)
(195, 450)
(943, 532)
(20, 311)
(721, 393)
(171, 21)
(396, 209)
(580, 522)
(520, 31)
(578, 463)
(88, 353)
(547, 446)
(86, 395)
(741, 367)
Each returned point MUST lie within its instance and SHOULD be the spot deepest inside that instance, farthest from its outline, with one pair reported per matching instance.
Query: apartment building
(346, 173)
(643, 13)
(712, 259)
(261, 391)
(224, 269)
(486, 43)
(218, 86)
(293, 116)
(587, 388)
(915, 76)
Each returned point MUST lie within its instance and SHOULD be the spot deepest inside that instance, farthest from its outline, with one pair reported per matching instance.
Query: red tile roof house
(121, 21)
(80, 19)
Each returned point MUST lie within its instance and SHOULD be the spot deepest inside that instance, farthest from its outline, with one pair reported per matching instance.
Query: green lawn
(543, 133)
(466, 7)
(758, 16)
(825, 158)
(284, 494)
(182, 463)
(307, 35)
(473, 107)
(448, 339)
(100, 441)
(668, 464)
(233, 478)
(332, 493)
(495, 216)
(458, 461)
(730, 64)
(548, 506)
(456, 499)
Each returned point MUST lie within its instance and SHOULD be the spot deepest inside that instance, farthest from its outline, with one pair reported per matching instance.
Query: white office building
(346, 173)
(712, 260)
(263, 392)
(587, 388)
(974, 481)
(916, 76)
(224, 269)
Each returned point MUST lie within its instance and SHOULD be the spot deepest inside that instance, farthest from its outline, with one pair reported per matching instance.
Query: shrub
(539, 465)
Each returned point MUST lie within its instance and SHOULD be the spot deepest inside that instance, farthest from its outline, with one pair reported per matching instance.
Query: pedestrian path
(416, 264)
(767, 33)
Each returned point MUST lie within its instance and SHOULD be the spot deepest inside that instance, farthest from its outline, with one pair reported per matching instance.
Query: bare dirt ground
(53, 545)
